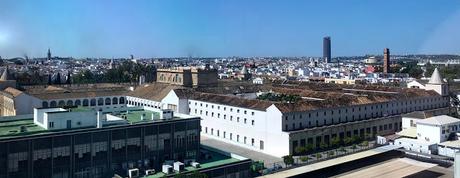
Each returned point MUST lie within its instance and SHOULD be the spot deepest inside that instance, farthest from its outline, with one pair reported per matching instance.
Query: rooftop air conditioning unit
(149, 172)
(166, 114)
(195, 164)
(132, 173)
(178, 166)
(167, 169)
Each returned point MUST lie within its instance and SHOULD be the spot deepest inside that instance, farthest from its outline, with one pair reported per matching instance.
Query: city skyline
(220, 28)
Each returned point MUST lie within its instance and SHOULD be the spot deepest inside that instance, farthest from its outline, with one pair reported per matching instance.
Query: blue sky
(168, 28)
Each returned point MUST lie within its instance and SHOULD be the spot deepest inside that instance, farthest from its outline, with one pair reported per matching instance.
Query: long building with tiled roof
(320, 112)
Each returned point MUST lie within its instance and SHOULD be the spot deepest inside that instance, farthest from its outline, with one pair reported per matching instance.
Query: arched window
(45, 104)
(77, 102)
(61, 103)
(100, 101)
(69, 103)
(122, 100)
(108, 101)
(93, 102)
(53, 104)
(85, 102)
(114, 100)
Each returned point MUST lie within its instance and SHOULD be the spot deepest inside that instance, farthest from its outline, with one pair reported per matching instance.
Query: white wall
(414, 145)
(78, 119)
(446, 151)
(406, 122)
(24, 104)
(428, 133)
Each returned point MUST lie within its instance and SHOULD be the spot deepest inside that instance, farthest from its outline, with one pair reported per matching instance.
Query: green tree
(300, 150)
(318, 155)
(335, 142)
(347, 140)
(309, 148)
(304, 158)
(364, 143)
(288, 160)
(323, 145)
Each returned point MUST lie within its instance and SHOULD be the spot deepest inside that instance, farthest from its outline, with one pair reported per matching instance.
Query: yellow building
(342, 81)
(189, 77)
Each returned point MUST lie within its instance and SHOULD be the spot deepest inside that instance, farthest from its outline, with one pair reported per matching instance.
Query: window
(245, 120)
(231, 118)
(261, 145)
(252, 142)
(252, 113)
(252, 122)
(244, 140)
(51, 124)
(238, 111)
(237, 119)
(231, 136)
(225, 134)
(245, 112)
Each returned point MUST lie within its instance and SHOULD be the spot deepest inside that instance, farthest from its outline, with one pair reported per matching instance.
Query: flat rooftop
(135, 116)
(400, 167)
(216, 159)
(10, 126)
(332, 162)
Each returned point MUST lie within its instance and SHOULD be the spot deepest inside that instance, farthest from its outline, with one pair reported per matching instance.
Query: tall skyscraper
(386, 60)
(49, 54)
(327, 49)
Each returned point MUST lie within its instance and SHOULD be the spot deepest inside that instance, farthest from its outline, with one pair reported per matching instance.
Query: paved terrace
(251, 154)
(331, 162)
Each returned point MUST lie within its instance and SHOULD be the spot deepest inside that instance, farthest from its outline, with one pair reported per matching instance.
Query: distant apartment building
(188, 77)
